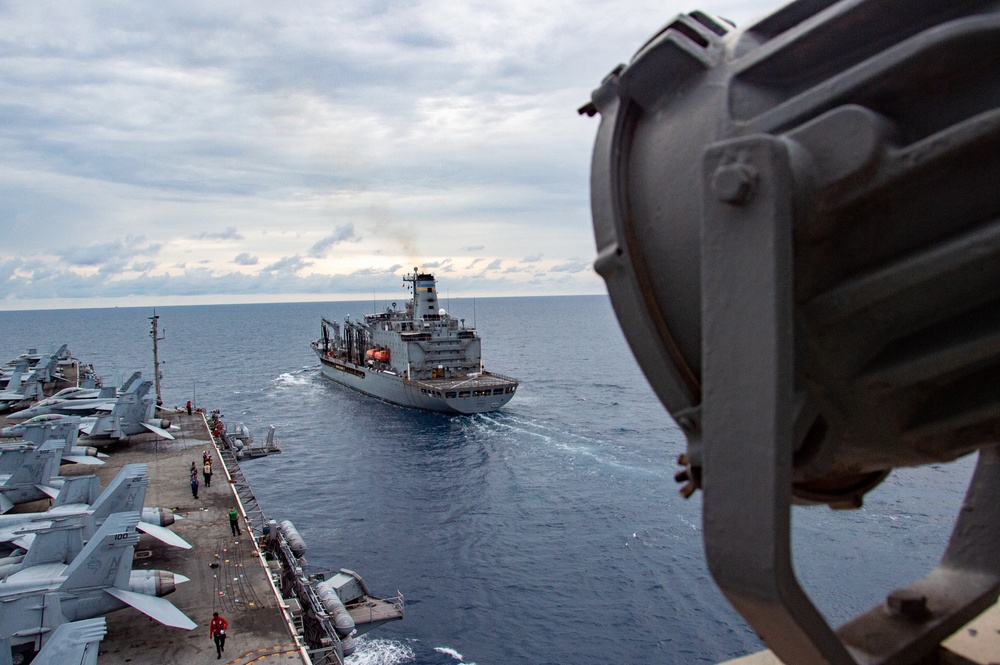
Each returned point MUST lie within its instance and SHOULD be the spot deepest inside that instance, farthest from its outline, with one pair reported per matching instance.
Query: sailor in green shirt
(234, 522)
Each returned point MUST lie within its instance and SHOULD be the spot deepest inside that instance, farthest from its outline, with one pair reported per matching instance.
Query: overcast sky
(190, 151)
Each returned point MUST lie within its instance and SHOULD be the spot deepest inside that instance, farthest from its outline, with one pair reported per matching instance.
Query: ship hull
(474, 395)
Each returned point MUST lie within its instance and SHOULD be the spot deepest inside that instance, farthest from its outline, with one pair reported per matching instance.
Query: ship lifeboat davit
(381, 355)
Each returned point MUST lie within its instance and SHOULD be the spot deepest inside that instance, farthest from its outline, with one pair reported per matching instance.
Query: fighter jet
(38, 432)
(30, 474)
(33, 357)
(131, 416)
(100, 580)
(78, 499)
(24, 386)
(102, 430)
(106, 392)
(77, 407)
(18, 430)
(45, 367)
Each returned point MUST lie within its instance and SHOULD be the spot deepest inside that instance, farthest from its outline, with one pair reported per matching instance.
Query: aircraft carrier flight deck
(227, 574)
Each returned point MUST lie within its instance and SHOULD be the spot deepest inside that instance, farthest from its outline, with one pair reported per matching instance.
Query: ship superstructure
(418, 356)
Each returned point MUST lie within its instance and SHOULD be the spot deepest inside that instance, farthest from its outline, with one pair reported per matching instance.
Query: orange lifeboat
(382, 355)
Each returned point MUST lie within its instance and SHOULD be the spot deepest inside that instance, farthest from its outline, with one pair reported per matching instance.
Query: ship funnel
(425, 297)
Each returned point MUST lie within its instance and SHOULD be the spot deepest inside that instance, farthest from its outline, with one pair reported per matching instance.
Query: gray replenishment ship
(419, 357)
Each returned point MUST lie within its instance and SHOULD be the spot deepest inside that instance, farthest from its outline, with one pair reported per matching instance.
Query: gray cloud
(229, 233)
(340, 234)
(108, 253)
(287, 264)
(145, 266)
(574, 266)
(198, 119)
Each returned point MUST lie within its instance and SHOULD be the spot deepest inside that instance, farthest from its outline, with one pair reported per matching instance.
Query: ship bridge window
(510, 389)
(498, 391)
(463, 393)
(449, 395)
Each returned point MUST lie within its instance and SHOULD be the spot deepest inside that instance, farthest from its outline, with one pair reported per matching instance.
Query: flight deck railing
(253, 514)
(324, 645)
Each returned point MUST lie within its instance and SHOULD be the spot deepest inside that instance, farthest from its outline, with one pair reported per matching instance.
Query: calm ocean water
(550, 532)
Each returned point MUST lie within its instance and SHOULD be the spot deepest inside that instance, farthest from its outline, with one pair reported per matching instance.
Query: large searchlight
(799, 227)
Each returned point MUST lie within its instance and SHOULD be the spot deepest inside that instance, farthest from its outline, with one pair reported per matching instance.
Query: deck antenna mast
(156, 357)
(476, 328)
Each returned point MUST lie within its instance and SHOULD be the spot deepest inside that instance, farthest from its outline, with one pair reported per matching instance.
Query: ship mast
(156, 357)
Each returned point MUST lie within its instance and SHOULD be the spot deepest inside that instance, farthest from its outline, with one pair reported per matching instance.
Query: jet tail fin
(49, 372)
(67, 429)
(38, 465)
(32, 389)
(127, 492)
(57, 544)
(131, 380)
(17, 374)
(74, 643)
(135, 386)
(78, 489)
(106, 560)
(130, 404)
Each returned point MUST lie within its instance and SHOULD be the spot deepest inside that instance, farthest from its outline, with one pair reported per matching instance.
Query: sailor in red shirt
(217, 629)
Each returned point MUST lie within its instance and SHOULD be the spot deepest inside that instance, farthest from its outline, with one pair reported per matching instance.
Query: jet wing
(5, 504)
(156, 608)
(159, 431)
(89, 408)
(23, 541)
(88, 427)
(43, 573)
(82, 459)
(73, 643)
(163, 534)
(52, 492)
